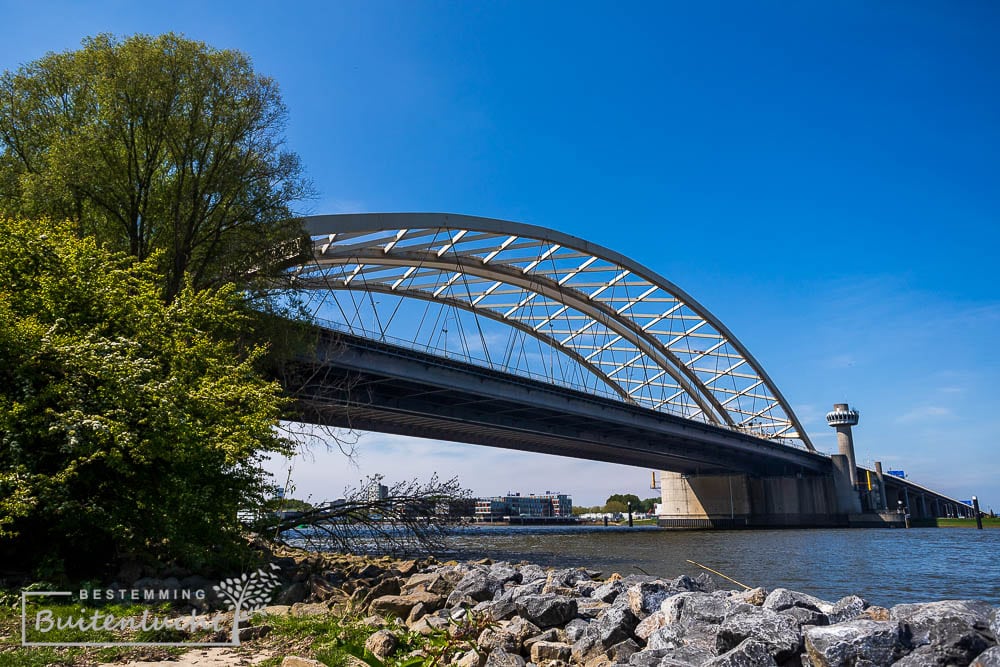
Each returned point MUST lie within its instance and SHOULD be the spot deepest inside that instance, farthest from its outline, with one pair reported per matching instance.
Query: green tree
(649, 504)
(156, 146)
(615, 506)
(131, 429)
(625, 500)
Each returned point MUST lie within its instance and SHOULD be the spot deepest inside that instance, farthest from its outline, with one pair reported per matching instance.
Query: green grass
(331, 640)
(968, 523)
(12, 654)
(327, 638)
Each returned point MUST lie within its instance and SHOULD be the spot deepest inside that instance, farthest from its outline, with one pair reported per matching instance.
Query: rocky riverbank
(498, 614)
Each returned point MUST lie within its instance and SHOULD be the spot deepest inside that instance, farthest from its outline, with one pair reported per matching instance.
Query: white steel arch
(643, 337)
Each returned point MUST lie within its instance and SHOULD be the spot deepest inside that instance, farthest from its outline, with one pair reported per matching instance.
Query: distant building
(376, 492)
(530, 506)
(456, 507)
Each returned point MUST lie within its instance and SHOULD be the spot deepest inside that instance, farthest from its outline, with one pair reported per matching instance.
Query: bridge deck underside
(372, 386)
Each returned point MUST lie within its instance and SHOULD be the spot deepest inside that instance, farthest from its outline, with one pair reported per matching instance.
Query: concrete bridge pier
(839, 496)
(745, 501)
(881, 486)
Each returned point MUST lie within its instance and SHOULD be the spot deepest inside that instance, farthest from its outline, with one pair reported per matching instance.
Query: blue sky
(821, 176)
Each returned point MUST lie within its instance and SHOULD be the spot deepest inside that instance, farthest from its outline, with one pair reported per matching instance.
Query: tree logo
(247, 594)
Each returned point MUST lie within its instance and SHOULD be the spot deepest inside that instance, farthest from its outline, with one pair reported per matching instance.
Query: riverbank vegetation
(132, 427)
(988, 522)
(144, 195)
(619, 504)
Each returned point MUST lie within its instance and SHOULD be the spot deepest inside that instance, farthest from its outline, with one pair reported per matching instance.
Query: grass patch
(13, 654)
(331, 639)
(334, 641)
(968, 523)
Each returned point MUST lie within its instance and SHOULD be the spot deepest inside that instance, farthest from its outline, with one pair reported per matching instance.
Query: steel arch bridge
(629, 331)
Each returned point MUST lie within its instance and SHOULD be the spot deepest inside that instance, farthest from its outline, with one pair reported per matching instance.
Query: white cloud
(925, 414)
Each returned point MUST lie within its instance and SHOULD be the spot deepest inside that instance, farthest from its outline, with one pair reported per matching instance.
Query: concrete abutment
(740, 500)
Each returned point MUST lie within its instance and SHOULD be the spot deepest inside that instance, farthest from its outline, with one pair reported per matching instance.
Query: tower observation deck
(842, 418)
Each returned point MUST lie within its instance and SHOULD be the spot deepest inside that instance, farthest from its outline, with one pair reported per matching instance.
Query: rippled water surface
(886, 567)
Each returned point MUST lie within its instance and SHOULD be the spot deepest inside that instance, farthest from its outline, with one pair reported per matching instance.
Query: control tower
(843, 418)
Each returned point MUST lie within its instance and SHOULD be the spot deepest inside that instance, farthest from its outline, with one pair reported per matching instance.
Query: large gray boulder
(519, 591)
(694, 640)
(503, 573)
(568, 577)
(779, 633)
(782, 598)
(749, 653)
(988, 658)
(608, 591)
(532, 572)
(550, 635)
(974, 611)
(586, 648)
(546, 611)
(921, 616)
(685, 656)
(401, 605)
(946, 632)
(685, 608)
(497, 639)
(995, 624)
(575, 629)
(705, 583)
(649, 625)
(646, 597)
(804, 617)
(440, 581)
(669, 636)
(477, 585)
(497, 610)
(522, 629)
(622, 651)
(847, 609)
(854, 642)
(501, 658)
(590, 608)
(647, 657)
(949, 641)
(615, 624)
(686, 583)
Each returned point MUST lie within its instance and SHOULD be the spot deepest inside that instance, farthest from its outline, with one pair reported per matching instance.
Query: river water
(884, 566)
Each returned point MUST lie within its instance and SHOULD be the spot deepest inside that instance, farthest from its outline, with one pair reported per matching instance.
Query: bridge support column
(848, 501)
(881, 485)
(704, 501)
(744, 501)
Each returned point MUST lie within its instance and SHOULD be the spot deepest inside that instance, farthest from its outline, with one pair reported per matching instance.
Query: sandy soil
(208, 657)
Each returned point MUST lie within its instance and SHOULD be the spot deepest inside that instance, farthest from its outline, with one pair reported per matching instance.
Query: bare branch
(412, 517)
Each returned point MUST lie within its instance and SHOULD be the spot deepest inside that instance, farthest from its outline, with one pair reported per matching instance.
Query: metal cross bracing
(620, 327)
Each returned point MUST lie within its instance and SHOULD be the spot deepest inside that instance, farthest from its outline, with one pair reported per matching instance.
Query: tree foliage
(625, 500)
(615, 507)
(131, 429)
(154, 144)
(622, 500)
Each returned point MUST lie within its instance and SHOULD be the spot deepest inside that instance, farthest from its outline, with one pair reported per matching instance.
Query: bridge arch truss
(637, 334)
